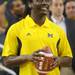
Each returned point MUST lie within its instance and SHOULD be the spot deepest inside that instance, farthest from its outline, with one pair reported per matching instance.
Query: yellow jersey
(34, 37)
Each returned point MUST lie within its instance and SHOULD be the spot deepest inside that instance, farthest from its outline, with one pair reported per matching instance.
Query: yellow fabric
(34, 37)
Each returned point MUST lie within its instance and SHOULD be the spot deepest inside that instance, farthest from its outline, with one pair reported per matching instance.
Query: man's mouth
(44, 9)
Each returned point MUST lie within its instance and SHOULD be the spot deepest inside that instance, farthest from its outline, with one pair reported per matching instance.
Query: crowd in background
(61, 12)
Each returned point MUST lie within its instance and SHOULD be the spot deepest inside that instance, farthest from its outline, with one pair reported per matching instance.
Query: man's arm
(61, 62)
(10, 49)
(16, 60)
(64, 61)
(64, 50)
(64, 58)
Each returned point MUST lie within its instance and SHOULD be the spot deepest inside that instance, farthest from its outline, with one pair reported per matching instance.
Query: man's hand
(61, 62)
(55, 64)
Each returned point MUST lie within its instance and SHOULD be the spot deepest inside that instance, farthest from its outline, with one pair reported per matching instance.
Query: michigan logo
(50, 35)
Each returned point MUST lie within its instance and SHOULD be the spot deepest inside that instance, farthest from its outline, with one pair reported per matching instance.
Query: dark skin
(41, 10)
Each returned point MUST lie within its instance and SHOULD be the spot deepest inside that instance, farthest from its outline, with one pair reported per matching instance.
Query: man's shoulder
(53, 25)
(20, 24)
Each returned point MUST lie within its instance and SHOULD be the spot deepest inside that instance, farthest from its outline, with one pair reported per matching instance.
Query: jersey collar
(33, 24)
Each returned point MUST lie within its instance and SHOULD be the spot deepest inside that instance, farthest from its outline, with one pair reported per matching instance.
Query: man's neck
(38, 18)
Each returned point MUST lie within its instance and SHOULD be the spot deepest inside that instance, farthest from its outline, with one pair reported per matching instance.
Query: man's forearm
(16, 60)
(65, 61)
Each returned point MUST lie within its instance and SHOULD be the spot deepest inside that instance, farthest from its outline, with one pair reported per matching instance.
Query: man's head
(70, 9)
(40, 6)
(2, 12)
(57, 7)
(16, 6)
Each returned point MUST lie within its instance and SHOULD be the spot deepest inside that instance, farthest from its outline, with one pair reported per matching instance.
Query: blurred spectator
(70, 9)
(57, 10)
(2, 24)
(70, 21)
(15, 11)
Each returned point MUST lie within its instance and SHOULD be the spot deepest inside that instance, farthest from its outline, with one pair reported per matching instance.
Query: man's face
(40, 6)
(57, 7)
(18, 7)
(70, 9)
(2, 14)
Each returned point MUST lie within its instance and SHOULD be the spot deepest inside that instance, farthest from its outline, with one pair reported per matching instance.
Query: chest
(39, 34)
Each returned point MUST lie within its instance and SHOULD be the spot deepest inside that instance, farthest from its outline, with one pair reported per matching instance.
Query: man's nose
(59, 7)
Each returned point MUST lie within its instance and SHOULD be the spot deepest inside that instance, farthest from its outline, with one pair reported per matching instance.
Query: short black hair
(1, 2)
(66, 1)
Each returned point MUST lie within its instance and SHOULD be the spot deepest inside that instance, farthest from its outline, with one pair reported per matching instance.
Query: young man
(34, 33)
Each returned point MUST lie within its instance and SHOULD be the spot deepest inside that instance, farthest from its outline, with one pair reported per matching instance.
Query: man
(70, 23)
(34, 33)
(57, 10)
